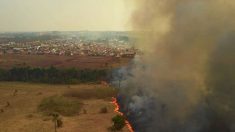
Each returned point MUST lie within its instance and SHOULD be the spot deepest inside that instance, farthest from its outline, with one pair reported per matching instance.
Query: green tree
(118, 122)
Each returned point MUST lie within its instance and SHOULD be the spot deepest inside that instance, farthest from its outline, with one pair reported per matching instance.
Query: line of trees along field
(53, 75)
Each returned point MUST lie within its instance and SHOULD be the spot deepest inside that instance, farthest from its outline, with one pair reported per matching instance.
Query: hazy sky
(64, 15)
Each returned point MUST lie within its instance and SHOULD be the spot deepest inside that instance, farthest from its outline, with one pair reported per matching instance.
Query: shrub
(104, 110)
(29, 116)
(84, 111)
(118, 122)
(62, 105)
(59, 123)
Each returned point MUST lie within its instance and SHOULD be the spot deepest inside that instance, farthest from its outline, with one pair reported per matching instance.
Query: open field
(82, 62)
(23, 115)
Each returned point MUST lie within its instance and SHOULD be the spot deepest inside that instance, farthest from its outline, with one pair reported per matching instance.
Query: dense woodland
(53, 75)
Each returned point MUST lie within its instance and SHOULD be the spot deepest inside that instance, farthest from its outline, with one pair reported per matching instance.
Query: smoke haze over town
(110, 65)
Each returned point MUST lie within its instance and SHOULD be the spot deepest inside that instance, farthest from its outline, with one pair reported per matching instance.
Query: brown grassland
(20, 113)
(10, 60)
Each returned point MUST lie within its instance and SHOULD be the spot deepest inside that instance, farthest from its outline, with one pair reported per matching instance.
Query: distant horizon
(63, 15)
(35, 31)
(68, 31)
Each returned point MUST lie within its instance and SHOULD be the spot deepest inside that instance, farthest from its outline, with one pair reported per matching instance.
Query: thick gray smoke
(185, 80)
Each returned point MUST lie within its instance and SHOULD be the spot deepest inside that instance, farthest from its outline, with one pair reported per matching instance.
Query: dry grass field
(11, 60)
(20, 113)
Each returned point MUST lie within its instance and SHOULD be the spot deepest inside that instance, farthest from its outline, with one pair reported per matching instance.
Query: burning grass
(117, 120)
(62, 105)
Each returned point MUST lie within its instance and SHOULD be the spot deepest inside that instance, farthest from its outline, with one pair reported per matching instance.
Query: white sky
(64, 15)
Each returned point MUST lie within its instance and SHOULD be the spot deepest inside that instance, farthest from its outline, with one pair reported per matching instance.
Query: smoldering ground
(184, 81)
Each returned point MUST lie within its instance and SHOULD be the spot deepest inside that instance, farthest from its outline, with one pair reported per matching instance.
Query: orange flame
(117, 108)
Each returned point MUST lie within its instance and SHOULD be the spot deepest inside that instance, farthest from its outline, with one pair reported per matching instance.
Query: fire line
(117, 108)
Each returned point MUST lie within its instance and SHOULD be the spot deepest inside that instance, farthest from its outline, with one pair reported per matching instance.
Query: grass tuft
(104, 110)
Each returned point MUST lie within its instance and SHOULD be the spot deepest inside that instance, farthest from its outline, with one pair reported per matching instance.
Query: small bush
(29, 116)
(59, 123)
(39, 93)
(84, 111)
(104, 110)
(62, 105)
(118, 123)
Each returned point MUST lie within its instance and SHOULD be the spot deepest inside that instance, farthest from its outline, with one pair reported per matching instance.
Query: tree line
(53, 75)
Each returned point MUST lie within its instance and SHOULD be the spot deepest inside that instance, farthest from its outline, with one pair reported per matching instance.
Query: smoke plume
(185, 79)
